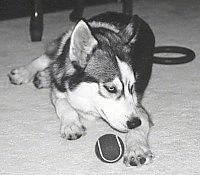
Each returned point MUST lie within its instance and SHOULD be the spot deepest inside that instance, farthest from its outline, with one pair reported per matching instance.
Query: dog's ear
(130, 32)
(82, 43)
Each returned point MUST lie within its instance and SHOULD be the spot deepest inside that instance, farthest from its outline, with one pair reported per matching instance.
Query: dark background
(19, 8)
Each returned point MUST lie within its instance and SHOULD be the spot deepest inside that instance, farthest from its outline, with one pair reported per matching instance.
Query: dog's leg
(137, 146)
(71, 127)
(26, 73)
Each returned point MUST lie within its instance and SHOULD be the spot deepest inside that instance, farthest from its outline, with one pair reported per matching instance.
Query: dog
(99, 69)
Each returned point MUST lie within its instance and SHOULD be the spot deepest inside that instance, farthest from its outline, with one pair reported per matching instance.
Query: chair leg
(77, 12)
(127, 7)
(36, 20)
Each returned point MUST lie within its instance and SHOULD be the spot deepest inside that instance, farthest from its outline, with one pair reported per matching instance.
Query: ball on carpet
(109, 148)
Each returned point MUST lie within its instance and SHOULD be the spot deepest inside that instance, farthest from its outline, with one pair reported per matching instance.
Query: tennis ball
(109, 148)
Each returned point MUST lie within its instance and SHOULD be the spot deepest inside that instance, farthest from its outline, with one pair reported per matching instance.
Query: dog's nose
(133, 123)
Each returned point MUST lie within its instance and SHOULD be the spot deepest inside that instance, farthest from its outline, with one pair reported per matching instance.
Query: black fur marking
(130, 88)
(122, 91)
(77, 66)
(60, 87)
(78, 77)
(58, 68)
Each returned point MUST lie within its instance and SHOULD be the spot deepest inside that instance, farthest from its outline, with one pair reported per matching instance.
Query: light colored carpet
(29, 130)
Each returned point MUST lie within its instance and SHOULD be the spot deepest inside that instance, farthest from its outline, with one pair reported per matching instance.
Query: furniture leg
(127, 6)
(36, 21)
(77, 12)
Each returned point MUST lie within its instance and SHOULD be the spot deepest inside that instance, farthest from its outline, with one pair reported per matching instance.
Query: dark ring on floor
(189, 55)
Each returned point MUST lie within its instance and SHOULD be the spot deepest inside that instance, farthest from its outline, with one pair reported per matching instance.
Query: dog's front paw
(42, 80)
(138, 155)
(73, 131)
(20, 76)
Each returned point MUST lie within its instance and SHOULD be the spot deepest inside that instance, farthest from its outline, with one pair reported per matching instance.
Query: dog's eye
(111, 89)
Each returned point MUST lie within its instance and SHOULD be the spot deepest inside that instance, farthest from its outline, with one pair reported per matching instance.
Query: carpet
(29, 130)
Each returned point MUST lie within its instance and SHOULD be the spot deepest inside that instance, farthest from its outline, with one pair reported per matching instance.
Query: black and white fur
(99, 69)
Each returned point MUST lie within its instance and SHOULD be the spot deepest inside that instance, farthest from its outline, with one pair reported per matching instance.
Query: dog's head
(103, 79)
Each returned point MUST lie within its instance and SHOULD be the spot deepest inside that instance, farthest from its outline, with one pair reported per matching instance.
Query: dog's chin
(120, 128)
(123, 130)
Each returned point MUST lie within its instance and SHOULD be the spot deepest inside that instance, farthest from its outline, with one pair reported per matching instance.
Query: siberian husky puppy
(99, 69)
